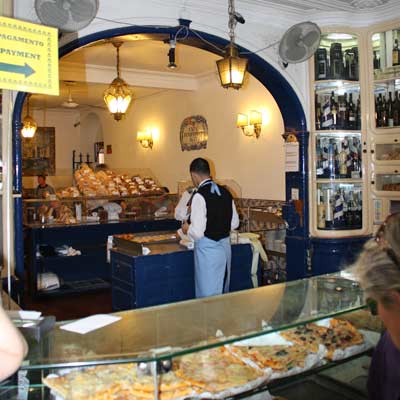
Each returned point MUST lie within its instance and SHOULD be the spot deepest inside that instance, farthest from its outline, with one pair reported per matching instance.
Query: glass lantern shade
(29, 127)
(118, 98)
(232, 68)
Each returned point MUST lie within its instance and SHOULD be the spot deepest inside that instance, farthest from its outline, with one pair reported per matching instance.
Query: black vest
(219, 212)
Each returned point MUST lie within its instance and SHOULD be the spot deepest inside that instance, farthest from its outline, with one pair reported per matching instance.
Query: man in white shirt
(213, 215)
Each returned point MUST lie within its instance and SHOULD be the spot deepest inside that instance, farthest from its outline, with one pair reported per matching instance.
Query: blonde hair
(378, 265)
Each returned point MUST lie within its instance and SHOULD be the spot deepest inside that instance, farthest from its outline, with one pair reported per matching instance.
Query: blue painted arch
(284, 95)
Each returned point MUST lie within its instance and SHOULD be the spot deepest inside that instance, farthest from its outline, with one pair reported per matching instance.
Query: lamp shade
(255, 117)
(29, 127)
(232, 68)
(118, 97)
(242, 120)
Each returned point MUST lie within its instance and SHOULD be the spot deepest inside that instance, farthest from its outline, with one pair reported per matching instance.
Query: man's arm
(235, 217)
(198, 217)
(181, 209)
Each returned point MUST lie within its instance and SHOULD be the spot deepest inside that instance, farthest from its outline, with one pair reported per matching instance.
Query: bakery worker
(182, 209)
(213, 216)
(43, 190)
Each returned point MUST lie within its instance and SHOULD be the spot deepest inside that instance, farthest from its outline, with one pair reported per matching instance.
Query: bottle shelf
(345, 132)
(339, 180)
(336, 82)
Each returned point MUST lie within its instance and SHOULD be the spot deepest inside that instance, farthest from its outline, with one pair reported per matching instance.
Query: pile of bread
(108, 183)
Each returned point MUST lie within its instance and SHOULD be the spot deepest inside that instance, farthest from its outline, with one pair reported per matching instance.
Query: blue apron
(212, 260)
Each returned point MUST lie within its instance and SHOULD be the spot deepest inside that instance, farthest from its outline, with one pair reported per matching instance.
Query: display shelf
(337, 57)
(344, 181)
(386, 181)
(76, 287)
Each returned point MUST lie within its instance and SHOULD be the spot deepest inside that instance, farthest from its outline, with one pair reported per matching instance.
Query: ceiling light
(339, 36)
(29, 125)
(232, 68)
(118, 96)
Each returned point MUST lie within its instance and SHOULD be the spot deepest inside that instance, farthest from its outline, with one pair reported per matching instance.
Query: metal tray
(135, 247)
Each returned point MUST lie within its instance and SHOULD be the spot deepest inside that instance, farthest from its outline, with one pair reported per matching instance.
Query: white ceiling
(139, 53)
(136, 54)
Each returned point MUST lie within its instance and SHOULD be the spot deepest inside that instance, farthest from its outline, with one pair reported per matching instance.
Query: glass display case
(160, 342)
(338, 143)
(339, 206)
(385, 150)
(386, 83)
(386, 182)
(94, 209)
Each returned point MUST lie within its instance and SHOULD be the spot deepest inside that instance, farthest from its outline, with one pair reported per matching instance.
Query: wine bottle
(343, 162)
(352, 209)
(328, 209)
(358, 114)
(336, 58)
(319, 158)
(341, 116)
(347, 63)
(338, 216)
(356, 167)
(377, 61)
(320, 211)
(331, 160)
(327, 119)
(384, 114)
(321, 64)
(357, 210)
(390, 111)
(317, 113)
(351, 123)
(333, 110)
(395, 53)
(396, 109)
(354, 64)
(348, 215)
(379, 104)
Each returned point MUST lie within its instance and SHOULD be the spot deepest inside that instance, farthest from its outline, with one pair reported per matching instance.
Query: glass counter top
(174, 329)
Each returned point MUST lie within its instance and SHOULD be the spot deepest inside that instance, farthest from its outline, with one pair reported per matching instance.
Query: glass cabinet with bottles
(386, 82)
(337, 139)
(384, 128)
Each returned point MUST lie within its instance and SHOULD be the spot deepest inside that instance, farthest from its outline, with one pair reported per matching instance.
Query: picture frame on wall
(39, 152)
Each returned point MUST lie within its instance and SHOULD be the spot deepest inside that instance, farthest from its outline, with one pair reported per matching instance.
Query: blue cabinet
(332, 255)
(89, 271)
(143, 281)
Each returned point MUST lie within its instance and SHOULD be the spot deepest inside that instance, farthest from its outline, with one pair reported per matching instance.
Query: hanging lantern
(29, 125)
(118, 96)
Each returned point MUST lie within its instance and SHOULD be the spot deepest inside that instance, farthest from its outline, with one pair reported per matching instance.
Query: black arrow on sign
(26, 69)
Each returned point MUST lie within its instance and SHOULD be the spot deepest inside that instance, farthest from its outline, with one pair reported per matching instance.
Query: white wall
(68, 138)
(256, 164)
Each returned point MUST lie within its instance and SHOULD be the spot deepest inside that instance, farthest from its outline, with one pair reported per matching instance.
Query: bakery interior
(74, 256)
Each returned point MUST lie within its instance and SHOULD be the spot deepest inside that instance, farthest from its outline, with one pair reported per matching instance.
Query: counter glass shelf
(191, 326)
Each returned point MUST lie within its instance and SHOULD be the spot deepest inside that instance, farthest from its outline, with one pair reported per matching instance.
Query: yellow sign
(28, 57)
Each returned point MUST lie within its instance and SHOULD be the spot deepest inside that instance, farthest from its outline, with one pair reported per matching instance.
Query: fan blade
(52, 14)
(296, 53)
(310, 38)
(83, 10)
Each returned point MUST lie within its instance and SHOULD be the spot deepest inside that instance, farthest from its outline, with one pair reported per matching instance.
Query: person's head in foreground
(378, 269)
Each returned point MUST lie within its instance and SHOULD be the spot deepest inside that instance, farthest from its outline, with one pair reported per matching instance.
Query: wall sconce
(145, 139)
(250, 124)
